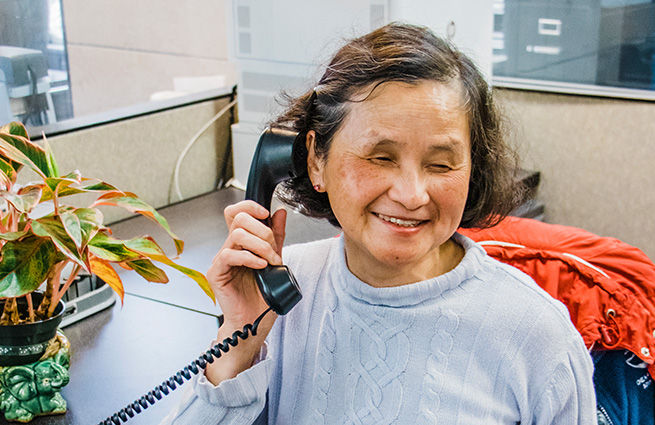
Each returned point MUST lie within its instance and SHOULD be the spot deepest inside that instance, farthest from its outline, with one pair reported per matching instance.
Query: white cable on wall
(176, 172)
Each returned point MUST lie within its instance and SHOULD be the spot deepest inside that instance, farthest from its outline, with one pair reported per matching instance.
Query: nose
(409, 188)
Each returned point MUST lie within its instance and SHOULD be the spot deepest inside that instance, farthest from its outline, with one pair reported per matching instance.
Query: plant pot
(26, 343)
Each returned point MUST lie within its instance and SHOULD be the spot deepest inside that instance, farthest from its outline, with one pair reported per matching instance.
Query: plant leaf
(57, 184)
(25, 265)
(72, 226)
(8, 173)
(147, 270)
(106, 272)
(99, 186)
(54, 229)
(91, 221)
(146, 246)
(81, 224)
(132, 203)
(31, 196)
(20, 150)
(53, 168)
(74, 189)
(25, 200)
(12, 236)
(107, 248)
(16, 128)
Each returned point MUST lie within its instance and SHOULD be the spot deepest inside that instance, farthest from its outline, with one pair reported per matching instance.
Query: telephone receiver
(272, 164)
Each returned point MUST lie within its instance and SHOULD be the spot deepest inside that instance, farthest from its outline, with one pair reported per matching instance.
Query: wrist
(240, 357)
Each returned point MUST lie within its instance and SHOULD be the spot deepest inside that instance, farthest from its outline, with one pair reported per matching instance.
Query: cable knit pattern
(479, 344)
(380, 351)
(325, 360)
(437, 362)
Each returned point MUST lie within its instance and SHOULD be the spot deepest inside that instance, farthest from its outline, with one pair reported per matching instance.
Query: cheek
(452, 192)
(352, 186)
(353, 179)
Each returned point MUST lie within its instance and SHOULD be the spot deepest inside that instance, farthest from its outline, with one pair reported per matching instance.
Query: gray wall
(597, 159)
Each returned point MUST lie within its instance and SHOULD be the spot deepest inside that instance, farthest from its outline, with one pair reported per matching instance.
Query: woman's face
(397, 177)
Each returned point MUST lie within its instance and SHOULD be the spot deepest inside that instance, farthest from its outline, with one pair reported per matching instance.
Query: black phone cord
(183, 375)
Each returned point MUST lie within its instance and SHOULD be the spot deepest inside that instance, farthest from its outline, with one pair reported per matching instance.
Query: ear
(314, 164)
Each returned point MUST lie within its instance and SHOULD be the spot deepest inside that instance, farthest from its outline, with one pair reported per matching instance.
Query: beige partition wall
(139, 154)
(597, 159)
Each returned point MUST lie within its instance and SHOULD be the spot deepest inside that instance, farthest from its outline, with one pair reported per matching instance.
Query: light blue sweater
(481, 344)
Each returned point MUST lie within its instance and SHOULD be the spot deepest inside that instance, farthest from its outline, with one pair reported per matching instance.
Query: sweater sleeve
(240, 400)
(569, 397)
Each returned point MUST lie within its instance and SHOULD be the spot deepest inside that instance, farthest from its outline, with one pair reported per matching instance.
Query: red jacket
(607, 285)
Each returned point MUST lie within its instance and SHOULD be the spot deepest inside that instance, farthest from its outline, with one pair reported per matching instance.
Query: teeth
(399, 222)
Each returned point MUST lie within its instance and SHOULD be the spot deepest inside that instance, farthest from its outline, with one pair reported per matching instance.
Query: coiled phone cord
(165, 387)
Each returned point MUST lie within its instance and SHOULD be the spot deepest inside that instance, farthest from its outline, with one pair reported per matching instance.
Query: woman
(402, 319)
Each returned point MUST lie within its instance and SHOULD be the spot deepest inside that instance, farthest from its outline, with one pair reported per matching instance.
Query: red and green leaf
(41, 160)
(8, 173)
(25, 265)
(132, 203)
(147, 270)
(25, 200)
(55, 183)
(107, 248)
(74, 189)
(19, 151)
(15, 128)
(52, 228)
(13, 236)
(106, 272)
(146, 246)
(81, 224)
(50, 159)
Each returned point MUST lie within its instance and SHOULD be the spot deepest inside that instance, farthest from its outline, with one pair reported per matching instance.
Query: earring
(317, 187)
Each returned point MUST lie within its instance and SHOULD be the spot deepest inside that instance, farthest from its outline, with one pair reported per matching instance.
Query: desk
(124, 351)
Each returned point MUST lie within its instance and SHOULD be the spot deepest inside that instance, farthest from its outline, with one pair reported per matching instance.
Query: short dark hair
(410, 54)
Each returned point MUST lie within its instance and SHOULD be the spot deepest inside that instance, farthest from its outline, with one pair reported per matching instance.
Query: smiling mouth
(398, 221)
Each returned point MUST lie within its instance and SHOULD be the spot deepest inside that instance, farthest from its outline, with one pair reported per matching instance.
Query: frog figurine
(33, 390)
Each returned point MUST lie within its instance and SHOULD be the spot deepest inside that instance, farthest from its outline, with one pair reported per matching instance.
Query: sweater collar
(415, 293)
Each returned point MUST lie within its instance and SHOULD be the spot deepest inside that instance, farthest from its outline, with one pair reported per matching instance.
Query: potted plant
(36, 249)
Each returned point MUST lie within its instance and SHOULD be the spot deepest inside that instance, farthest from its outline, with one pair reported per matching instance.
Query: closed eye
(381, 160)
(439, 168)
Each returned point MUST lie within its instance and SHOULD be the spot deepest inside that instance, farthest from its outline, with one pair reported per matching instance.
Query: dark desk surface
(124, 351)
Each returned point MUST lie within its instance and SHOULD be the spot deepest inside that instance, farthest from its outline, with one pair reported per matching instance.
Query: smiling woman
(403, 320)
(398, 186)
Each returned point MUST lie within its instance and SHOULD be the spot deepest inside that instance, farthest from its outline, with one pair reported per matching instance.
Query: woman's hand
(250, 245)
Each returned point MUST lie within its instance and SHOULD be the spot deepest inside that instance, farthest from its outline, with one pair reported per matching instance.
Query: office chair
(608, 287)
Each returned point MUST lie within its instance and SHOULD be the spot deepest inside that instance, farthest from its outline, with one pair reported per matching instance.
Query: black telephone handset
(271, 165)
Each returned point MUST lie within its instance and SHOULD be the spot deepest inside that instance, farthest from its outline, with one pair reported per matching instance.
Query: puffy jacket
(607, 285)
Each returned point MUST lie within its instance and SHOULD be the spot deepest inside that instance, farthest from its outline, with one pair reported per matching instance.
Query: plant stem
(30, 307)
(60, 293)
(50, 292)
(10, 313)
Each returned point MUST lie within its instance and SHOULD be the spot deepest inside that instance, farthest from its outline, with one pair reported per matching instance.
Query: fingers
(250, 242)
(248, 216)
(249, 207)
